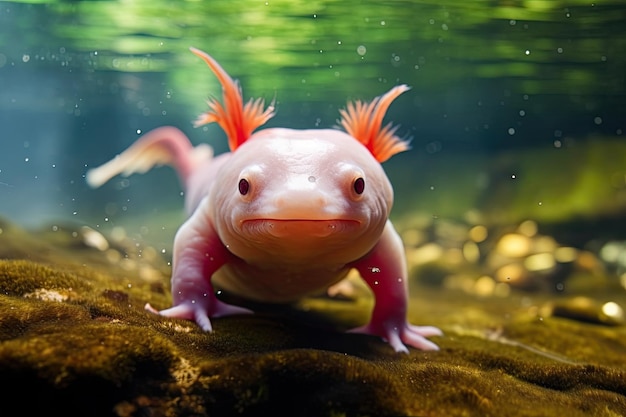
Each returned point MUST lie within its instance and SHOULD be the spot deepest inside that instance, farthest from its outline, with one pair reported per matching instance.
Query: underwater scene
(228, 166)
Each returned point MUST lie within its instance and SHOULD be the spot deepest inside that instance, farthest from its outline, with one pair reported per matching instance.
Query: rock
(587, 310)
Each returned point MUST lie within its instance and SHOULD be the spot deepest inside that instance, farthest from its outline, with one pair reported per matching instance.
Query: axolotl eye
(358, 185)
(244, 186)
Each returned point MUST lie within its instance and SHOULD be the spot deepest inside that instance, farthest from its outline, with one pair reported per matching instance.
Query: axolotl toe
(286, 213)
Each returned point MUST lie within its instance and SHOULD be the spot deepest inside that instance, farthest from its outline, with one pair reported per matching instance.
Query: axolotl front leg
(384, 270)
(198, 254)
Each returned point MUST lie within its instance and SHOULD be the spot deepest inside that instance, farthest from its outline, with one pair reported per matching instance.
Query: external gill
(237, 120)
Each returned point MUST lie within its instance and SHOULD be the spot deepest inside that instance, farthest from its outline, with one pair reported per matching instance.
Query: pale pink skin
(299, 230)
(299, 224)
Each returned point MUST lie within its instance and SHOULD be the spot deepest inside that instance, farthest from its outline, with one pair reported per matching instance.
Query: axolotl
(285, 214)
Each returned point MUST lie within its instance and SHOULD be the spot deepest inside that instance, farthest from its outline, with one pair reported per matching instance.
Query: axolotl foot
(398, 336)
(200, 312)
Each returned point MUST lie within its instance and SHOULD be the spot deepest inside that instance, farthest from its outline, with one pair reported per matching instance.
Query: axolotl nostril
(286, 213)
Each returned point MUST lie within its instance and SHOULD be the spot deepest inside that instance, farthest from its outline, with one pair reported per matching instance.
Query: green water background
(517, 108)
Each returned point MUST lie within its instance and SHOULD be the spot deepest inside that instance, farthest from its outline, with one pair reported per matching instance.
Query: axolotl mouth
(282, 228)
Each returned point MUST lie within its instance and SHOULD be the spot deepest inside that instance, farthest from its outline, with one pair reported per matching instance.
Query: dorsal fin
(363, 121)
(237, 120)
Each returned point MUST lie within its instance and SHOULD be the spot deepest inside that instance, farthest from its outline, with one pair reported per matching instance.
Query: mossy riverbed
(76, 340)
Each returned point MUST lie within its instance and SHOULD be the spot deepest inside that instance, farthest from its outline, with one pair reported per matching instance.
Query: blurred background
(517, 111)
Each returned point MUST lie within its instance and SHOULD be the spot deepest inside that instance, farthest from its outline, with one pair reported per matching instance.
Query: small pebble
(587, 310)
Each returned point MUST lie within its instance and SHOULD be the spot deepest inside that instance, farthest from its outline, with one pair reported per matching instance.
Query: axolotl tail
(162, 146)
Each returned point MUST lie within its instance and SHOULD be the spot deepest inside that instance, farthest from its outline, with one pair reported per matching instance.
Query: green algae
(74, 335)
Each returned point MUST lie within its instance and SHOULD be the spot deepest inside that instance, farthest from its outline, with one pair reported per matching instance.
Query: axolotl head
(301, 193)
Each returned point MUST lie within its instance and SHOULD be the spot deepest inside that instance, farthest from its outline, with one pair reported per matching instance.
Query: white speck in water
(375, 282)
(540, 203)
(130, 285)
(163, 251)
(312, 179)
(139, 131)
(559, 50)
(522, 113)
(382, 23)
(26, 159)
(527, 52)
(512, 22)
(597, 120)
(361, 50)
(374, 269)
(511, 131)
(513, 176)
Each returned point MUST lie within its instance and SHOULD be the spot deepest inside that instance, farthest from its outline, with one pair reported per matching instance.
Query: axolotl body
(287, 213)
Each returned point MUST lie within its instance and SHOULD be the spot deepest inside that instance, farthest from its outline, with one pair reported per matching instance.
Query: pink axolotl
(287, 213)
